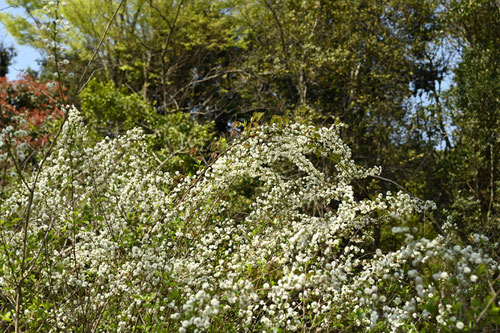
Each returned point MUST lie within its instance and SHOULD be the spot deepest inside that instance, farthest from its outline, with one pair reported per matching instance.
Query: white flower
(412, 273)
(460, 325)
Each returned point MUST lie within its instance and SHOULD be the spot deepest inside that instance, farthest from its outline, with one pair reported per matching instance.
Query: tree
(7, 53)
(356, 61)
(475, 108)
(154, 47)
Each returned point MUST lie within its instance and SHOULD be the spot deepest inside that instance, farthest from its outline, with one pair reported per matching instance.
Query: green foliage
(353, 60)
(173, 137)
(111, 111)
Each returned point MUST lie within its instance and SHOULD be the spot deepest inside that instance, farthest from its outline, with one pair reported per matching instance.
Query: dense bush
(27, 104)
(174, 138)
(108, 243)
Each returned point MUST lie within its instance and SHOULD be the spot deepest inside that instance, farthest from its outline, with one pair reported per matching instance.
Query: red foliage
(31, 100)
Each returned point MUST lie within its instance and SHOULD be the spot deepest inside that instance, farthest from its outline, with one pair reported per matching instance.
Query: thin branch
(164, 51)
(88, 80)
(168, 159)
(392, 182)
(98, 46)
(280, 28)
(492, 299)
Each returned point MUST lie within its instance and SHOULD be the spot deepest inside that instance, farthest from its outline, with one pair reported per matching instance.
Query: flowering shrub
(114, 245)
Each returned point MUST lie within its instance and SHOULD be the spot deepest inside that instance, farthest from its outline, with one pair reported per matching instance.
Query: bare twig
(88, 80)
(164, 51)
(98, 47)
(392, 182)
(492, 299)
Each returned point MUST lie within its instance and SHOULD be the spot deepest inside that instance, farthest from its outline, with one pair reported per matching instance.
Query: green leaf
(6, 316)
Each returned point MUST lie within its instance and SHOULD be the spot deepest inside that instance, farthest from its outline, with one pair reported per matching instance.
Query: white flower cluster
(11, 139)
(262, 239)
(54, 35)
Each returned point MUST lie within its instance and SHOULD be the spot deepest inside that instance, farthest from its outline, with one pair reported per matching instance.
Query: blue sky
(26, 56)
